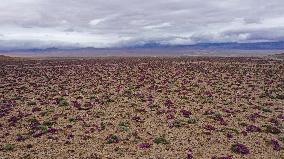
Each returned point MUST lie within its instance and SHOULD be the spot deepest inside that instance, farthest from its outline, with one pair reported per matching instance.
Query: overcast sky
(113, 23)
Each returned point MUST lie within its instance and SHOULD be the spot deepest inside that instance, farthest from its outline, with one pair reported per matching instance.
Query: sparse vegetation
(118, 107)
(8, 147)
(161, 140)
(112, 139)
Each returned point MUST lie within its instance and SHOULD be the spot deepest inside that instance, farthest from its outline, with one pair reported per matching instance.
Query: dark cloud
(101, 23)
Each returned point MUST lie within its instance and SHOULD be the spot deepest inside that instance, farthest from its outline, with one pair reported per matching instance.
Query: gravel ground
(196, 107)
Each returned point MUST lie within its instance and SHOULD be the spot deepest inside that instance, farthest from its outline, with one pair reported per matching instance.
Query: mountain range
(152, 45)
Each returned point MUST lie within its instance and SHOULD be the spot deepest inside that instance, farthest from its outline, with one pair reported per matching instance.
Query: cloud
(96, 21)
(157, 26)
(101, 23)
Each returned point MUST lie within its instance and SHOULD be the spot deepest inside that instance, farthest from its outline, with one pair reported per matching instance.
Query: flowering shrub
(168, 103)
(185, 113)
(189, 154)
(209, 127)
(20, 138)
(240, 148)
(276, 146)
(144, 145)
(252, 128)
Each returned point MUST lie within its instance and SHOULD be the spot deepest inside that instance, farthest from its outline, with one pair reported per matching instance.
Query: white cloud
(96, 21)
(101, 23)
(157, 26)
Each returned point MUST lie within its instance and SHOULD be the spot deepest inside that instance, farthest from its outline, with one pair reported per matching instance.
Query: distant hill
(156, 49)
(279, 45)
(234, 45)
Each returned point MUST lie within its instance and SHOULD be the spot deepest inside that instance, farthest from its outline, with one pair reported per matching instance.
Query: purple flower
(252, 128)
(137, 119)
(37, 133)
(70, 136)
(281, 116)
(168, 103)
(51, 130)
(221, 120)
(275, 144)
(240, 148)
(69, 126)
(208, 94)
(13, 120)
(253, 117)
(274, 121)
(273, 130)
(6, 108)
(209, 127)
(230, 110)
(161, 111)
(189, 154)
(20, 138)
(34, 124)
(144, 145)
(150, 99)
(171, 111)
(185, 113)
(229, 135)
(244, 133)
(170, 116)
(77, 104)
(36, 109)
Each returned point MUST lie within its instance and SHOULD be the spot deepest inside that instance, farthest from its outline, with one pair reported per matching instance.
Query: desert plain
(142, 107)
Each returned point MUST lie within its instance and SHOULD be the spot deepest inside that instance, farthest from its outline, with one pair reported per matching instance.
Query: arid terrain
(142, 107)
(278, 56)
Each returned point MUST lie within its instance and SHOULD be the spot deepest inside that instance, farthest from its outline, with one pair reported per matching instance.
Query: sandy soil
(142, 108)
